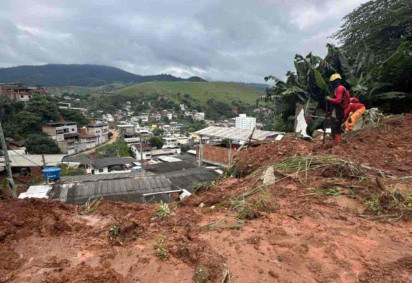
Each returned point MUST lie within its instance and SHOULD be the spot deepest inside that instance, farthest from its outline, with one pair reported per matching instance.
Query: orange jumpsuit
(354, 112)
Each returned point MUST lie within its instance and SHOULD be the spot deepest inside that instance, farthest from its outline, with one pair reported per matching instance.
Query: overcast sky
(227, 40)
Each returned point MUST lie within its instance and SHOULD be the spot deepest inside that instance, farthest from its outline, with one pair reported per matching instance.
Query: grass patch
(90, 206)
(220, 225)
(160, 249)
(114, 231)
(330, 165)
(390, 205)
(163, 210)
(252, 209)
(330, 192)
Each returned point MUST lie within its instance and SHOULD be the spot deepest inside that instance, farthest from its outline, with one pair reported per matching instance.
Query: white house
(113, 165)
(170, 142)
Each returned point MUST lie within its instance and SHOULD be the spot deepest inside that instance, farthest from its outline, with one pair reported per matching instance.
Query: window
(101, 170)
(22, 96)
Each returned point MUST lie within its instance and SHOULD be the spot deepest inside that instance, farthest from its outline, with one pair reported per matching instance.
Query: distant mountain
(57, 75)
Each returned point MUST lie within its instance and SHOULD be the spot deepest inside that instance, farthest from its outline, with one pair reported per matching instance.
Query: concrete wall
(104, 170)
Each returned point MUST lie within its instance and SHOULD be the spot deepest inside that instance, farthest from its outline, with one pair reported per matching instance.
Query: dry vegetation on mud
(328, 215)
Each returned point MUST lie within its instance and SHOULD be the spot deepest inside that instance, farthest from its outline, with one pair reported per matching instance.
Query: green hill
(57, 75)
(202, 91)
(83, 90)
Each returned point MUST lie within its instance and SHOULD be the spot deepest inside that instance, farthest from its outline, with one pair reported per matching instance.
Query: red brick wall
(36, 172)
(216, 154)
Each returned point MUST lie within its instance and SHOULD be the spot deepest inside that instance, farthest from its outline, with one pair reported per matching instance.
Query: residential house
(144, 118)
(113, 165)
(199, 116)
(148, 152)
(142, 151)
(65, 134)
(66, 105)
(127, 130)
(87, 140)
(99, 129)
(32, 164)
(170, 142)
(20, 92)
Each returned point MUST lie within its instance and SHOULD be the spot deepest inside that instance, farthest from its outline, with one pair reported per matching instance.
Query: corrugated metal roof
(102, 177)
(189, 178)
(110, 161)
(83, 160)
(124, 189)
(35, 160)
(166, 158)
(168, 167)
(237, 134)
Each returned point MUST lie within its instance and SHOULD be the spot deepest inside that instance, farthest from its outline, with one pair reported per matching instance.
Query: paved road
(112, 140)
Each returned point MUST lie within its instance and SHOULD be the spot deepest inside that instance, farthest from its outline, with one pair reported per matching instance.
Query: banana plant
(308, 85)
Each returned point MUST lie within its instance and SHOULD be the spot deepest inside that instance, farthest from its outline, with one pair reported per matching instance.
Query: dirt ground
(314, 227)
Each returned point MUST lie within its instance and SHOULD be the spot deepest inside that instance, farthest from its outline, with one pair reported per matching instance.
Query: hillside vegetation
(77, 75)
(202, 91)
(83, 90)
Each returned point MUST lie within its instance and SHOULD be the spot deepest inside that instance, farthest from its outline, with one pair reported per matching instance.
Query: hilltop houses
(72, 140)
(20, 92)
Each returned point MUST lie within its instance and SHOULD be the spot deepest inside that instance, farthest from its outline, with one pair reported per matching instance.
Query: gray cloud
(237, 40)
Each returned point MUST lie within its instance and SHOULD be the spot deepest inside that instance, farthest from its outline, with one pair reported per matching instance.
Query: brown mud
(313, 228)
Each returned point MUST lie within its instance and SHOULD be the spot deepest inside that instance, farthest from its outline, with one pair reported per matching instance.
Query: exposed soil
(388, 147)
(303, 228)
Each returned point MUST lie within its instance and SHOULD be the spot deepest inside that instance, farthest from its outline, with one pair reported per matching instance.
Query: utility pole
(7, 161)
(141, 148)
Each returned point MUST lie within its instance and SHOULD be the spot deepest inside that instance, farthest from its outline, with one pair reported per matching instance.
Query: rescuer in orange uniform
(353, 113)
(340, 103)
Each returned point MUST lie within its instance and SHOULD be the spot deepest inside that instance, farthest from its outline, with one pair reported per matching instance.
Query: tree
(71, 171)
(381, 25)
(29, 123)
(74, 116)
(45, 107)
(118, 148)
(366, 79)
(158, 142)
(41, 144)
(165, 119)
(197, 125)
(157, 131)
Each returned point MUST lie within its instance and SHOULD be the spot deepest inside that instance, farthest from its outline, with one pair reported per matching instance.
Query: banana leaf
(390, 95)
(320, 82)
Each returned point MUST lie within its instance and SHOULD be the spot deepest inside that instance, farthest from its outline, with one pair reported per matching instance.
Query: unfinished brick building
(20, 92)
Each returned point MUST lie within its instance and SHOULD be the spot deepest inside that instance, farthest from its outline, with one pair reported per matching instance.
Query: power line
(25, 158)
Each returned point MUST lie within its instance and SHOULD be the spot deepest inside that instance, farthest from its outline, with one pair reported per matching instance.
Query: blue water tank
(51, 173)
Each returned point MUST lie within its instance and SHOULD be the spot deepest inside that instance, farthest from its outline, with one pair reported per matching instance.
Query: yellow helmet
(334, 77)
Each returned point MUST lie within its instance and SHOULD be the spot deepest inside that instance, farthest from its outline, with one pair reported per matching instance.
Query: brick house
(20, 92)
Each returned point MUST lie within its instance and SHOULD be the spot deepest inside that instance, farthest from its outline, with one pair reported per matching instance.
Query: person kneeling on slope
(340, 102)
(354, 112)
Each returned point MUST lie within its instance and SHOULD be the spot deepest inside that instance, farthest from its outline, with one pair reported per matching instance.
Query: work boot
(337, 138)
